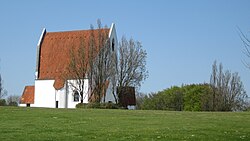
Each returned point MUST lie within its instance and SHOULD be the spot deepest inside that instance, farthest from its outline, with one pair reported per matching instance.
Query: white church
(53, 54)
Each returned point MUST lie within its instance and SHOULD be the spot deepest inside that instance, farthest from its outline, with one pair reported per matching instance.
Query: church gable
(54, 53)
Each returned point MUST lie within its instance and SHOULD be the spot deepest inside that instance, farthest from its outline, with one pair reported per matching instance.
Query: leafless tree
(101, 63)
(213, 81)
(246, 42)
(77, 69)
(131, 66)
(228, 90)
(13, 100)
(93, 60)
(3, 92)
(140, 97)
(216, 85)
(105, 68)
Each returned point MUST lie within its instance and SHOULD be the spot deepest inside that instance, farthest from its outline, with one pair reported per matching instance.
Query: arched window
(113, 44)
(76, 96)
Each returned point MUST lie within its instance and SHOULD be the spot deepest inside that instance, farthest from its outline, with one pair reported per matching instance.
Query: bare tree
(140, 97)
(131, 66)
(101, 63)
(93, 60)
(216, 85)
(246, 42)
(3, 92)
(103, 68)
(77, 69)
(213, 82)
(228, 90)
(13, 100)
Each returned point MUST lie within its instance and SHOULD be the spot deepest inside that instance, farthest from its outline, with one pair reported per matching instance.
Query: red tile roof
(28, 95)
(55, 53)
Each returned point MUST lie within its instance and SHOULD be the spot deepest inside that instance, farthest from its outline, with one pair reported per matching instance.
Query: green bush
(94, 105)
(3, 102)
(109, 106)
(81, 105)
(88, 105)
(192, 98)
(195, 97)
(13, 103)
(170, 99)
(98, 105)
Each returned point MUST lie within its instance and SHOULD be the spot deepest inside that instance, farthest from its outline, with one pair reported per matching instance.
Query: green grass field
(100, 124)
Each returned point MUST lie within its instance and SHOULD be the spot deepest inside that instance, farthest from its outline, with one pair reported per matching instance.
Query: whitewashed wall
(44, 94)
(61, 97)
(25, 105)
(112, 35)
(71, 102)
(109, 95)
(22, 105)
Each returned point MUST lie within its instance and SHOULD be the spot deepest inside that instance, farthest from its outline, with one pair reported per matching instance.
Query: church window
(113, 45)
(76, 96)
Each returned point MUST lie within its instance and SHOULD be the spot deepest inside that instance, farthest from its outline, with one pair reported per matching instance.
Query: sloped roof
(54, 56)
(28, 95)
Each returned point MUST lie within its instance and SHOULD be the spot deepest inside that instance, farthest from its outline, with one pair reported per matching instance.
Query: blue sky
(182, 38)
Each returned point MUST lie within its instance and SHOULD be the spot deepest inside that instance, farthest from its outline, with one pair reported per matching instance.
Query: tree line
(11, 100)
(225, 92)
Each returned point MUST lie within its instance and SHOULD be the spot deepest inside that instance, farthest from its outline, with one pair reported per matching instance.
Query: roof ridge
(78, 30)
(30, 86)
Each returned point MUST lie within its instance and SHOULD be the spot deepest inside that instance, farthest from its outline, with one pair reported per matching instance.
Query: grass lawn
(98, 124)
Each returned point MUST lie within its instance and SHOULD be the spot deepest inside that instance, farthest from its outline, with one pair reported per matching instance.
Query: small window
(113, 44)
(28, 105)
(76, 96)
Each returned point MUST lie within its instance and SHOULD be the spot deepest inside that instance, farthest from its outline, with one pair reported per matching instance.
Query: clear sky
(182, 38)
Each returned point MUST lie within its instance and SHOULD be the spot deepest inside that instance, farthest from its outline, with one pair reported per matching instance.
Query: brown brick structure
(126, 96)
